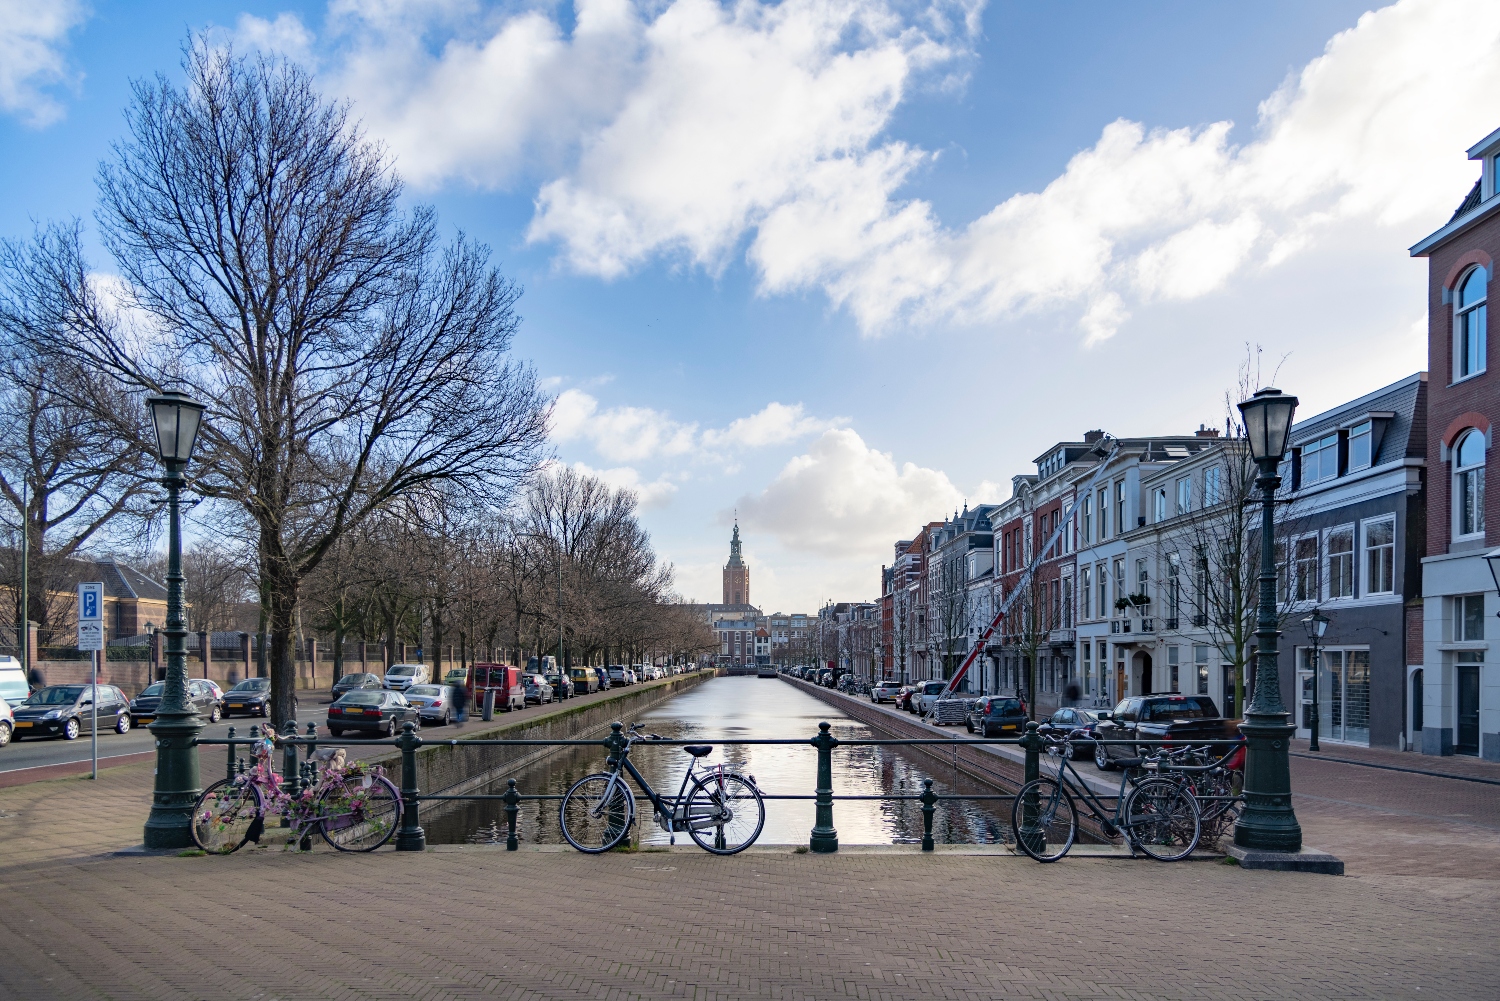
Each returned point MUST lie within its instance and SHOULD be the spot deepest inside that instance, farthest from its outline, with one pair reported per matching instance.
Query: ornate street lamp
(1493, 559)
(1317, 625)
(1268, 823)
(176, 418)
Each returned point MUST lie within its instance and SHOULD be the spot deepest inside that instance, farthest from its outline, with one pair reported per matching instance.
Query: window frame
(1461, 477)
(1349, 558)
(1366, 430)
(1159, 505)
(1461, 313)
(1185, 495)
(1298, 590)
(1365, 584)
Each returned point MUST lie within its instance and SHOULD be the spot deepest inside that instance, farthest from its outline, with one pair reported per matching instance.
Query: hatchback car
(537, 689)
(1070, 720)
(251, 697)
(202, 698)
(884, 691)
(7, 723)
(995, 716)
(355, 682)
(378, 713)
(434, 703)
(402, 676)
(67, 710)
(562, 686)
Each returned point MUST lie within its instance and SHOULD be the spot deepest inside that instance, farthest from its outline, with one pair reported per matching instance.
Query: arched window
(1468, 484)
(1469, 326)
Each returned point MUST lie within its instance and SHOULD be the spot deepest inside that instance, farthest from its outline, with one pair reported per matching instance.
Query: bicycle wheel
(725, 813)
(359, 813)
(226, 814)
(1162, 820)
(595, 814)
(1044, 820)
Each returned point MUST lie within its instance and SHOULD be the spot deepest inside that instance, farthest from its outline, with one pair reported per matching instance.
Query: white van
(13, 687)
(402, 676)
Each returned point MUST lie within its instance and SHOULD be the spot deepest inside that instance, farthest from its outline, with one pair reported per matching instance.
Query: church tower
(736, 574)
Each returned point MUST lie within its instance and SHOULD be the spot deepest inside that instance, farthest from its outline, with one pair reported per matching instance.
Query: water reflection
(730, 708)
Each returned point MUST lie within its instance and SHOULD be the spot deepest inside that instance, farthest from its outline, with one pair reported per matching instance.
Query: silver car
(434, 703)
(884, 691)
(537, 689)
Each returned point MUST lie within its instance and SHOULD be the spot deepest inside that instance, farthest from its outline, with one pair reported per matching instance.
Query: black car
(1068, 720)
(200, 696)
(67, 710)
(356, 682)
(251, 697)
(996, 716)
(378, 713)
(1159, 717)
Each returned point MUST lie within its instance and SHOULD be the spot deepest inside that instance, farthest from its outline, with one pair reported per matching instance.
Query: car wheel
(969, 724)
(265, 711)
(390, 727)
(445, 720)
(334, 731)
(122, 724)
(70, 729)
(1101, 759)
(215, 714)
(5, 732)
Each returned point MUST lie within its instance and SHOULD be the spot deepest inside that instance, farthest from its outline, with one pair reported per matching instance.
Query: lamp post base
(177, 784)
(1268, 823)
(1303, 860)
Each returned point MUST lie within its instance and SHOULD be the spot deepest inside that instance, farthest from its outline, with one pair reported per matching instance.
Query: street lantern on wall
(1493, 559)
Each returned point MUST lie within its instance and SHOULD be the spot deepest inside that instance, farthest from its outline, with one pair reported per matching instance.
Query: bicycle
(1218, 785)
(723, 812)
(1156, 815)
(354, 807)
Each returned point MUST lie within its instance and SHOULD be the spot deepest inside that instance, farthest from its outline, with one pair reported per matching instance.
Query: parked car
(353, 682)
(562, 686)
(252, 697)
(765, 671)
(884, 691)
(505, 679)
(7, 723)
(927, 694)
(1070, 720)
(457, 677)
(537, 689)
(200, 696)
(1159, 717)
(400, 677)
(13, 687)
(585, 681)
(603, 677)
(434, 703)
(996, 716)
(68, 710)
(620, 675)
(903, 696)
(379, 713)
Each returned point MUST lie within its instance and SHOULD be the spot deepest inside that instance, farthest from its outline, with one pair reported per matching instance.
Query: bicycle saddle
(699, 750)
(1128, 762)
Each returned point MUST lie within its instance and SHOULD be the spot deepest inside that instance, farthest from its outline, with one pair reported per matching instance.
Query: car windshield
(402, 671)
(1179, 709)
(933, 687)
(361, 698)
(154, 691)
(57, 695)
(425, 690)
(253, 685)
(1000, 706)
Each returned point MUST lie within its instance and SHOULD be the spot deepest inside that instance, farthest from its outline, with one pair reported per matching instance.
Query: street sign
(91, 616)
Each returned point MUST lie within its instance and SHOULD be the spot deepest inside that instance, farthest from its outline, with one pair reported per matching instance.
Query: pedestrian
(1073, 695)
(461, 703)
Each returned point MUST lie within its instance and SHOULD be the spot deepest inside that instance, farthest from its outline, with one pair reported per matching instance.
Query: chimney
(1092, 437)
(1206, 432)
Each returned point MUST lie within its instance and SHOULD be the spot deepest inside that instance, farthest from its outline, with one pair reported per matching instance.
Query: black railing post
(617, 742)
(289, 776)
(1032, 743)
(230, 773)
(512, 808)
(929, 807)
(312, 739)
(824, 838)
(411, 837)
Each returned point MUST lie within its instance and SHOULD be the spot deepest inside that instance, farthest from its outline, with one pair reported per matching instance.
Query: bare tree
(345, 358)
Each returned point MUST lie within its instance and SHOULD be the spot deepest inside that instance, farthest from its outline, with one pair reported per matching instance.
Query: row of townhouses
(1146, 555)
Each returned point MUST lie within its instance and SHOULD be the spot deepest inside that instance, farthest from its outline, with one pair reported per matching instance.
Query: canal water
(744, 708)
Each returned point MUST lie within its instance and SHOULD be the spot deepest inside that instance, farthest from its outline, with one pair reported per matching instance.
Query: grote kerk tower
(736, 574)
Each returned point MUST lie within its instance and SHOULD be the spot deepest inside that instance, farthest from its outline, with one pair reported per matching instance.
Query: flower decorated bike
(352, 805)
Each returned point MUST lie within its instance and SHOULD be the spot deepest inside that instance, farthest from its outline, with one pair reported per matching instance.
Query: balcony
(1199, 621)
(1119, 625)
(1062, 637)
(1170, 624)
(1148, 625)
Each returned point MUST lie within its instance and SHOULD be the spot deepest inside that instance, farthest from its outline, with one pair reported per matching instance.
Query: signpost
(91, 638)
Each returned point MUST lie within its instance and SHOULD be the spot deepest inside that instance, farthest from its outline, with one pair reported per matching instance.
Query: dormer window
(1469, 325)
(1359, 446)
(1320, 459)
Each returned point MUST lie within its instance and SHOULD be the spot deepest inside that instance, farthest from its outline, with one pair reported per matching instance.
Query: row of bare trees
(370, 451)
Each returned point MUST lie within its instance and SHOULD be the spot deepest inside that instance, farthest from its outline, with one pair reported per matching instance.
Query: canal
(745, 708)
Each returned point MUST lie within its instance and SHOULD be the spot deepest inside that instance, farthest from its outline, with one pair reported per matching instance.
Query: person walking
(461, 704)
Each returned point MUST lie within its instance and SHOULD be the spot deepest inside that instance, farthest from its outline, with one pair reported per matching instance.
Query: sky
(836, 268)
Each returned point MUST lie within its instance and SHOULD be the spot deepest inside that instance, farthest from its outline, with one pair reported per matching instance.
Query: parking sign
(91, 616)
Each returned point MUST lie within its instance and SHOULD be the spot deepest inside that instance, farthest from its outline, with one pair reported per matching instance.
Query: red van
(510, 691)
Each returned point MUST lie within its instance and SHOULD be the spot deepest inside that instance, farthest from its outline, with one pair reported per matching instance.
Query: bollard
(824, 838)
(1032, 744)
(489, 704)
(512, 808)
(230, 774)
(312, 741)
(929, 807)
(411, 837)
(289, 775)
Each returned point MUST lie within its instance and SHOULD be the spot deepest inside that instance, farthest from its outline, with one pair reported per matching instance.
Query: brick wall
(1414, 652)
(1446, 402)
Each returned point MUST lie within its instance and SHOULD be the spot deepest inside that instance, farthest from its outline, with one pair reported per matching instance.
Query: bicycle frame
(659, 804)
(1080, 791)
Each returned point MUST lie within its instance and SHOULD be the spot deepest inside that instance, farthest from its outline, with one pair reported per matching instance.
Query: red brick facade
(1475, 402)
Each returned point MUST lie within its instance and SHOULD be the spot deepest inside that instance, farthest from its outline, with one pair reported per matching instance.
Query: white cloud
(285, 34)
(633, 434)
(654, 494)
(846, 500)
(689, 129)
(33, 34)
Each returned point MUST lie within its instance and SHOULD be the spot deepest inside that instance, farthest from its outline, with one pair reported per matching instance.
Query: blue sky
(840, 265)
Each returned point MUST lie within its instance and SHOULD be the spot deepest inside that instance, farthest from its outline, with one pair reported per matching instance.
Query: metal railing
(297, 774)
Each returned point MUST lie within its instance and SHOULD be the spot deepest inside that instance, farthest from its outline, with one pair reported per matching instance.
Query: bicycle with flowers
(351, 804)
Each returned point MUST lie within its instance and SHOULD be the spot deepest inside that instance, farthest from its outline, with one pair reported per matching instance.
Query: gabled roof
(1405, 434)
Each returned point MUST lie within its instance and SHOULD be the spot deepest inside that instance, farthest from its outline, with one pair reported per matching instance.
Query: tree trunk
(283, 667)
